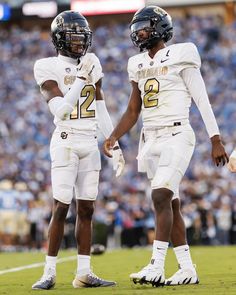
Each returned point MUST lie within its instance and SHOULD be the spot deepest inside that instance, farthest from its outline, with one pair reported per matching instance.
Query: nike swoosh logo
(173, 134)
(167, 55)
(163, 60)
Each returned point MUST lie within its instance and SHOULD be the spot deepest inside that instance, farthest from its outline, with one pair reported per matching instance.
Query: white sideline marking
(34, 265)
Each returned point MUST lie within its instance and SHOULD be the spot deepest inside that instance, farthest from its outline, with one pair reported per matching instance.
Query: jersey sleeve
(188, 57)
(43, 71)
(193, 80)
(131, 70)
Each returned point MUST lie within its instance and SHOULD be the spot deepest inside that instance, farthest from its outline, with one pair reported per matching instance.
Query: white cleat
(150, 274)
(91, 281)
(47, 281)
(183, 277)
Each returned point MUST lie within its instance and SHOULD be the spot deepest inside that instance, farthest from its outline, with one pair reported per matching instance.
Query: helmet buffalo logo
(158, 10)
(60, 21)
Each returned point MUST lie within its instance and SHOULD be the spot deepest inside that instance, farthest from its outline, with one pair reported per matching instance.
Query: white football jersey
(165, 98)
(58, 69)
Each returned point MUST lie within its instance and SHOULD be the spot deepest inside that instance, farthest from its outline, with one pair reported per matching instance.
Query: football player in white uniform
(71, 84)
(164, 79)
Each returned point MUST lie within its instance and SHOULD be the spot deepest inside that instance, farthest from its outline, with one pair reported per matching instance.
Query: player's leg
(83, 234)
(56, 227)
(172, 165)
(163, 184)
(63, 174)
(86, 194)
(178, 233)
(187, 272)
(153, 273)
(85, 277)
(55, 235)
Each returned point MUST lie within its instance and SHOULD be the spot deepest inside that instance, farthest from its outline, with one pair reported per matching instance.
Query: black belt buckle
(177, 123)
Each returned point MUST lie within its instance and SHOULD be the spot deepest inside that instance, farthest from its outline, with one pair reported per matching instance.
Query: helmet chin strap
(153, 43)
(73, 55)
(73, 59)
(150, 44)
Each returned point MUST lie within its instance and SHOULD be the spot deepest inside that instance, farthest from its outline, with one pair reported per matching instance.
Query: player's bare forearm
(50, 89)
(131, 115)
(127, 121)
(219, 155)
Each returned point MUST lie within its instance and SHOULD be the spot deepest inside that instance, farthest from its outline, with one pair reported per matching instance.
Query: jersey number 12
(83, 111)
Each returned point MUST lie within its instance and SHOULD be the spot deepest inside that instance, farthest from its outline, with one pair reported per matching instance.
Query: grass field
(216, 269)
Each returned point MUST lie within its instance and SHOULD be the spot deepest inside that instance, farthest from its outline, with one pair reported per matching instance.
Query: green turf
(216, 268)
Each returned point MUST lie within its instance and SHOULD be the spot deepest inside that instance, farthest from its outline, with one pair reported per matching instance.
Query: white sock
(159, 253)
(183, 256)
(83, 264)
(50, 263)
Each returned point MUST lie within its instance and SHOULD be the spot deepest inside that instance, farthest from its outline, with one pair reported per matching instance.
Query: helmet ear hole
(60, 45)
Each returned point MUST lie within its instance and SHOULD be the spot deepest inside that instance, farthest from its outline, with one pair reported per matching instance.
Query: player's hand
(86, 71)
(112, 150)
(108, 146)
(118, 160)
(232, 162)
(219, 155)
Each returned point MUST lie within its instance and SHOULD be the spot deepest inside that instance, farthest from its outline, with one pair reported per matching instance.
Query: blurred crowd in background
(123, 215)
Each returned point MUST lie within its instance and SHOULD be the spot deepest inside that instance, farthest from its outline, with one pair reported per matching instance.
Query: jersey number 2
(83, 112)
(151, 88)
